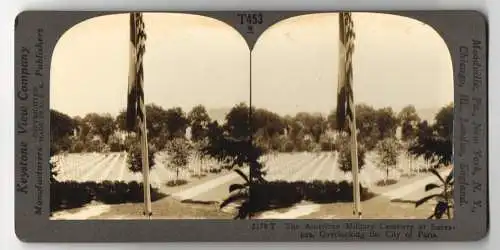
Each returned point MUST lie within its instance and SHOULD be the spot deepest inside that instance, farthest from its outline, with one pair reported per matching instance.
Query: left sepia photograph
(113, 77)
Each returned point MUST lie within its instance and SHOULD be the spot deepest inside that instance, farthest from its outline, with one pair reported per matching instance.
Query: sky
(192, 60)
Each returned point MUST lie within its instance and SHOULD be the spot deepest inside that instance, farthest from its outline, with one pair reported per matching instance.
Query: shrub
(344, 158)
(277, 194)
(134, 157)
(445, 202)
(115, 146)
(288, 147)
(388, 152)
(66, 195)
(327, 143)
(78, 147)
(179, 151)
(95, 146)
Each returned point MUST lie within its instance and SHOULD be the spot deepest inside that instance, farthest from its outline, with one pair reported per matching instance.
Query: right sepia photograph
(318, 78)
(327, 116)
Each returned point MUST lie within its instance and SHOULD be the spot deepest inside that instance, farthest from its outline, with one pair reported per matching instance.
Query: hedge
(72, 194)
(276, 194)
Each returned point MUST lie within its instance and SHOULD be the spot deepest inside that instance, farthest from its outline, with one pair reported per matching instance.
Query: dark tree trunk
(386, 174)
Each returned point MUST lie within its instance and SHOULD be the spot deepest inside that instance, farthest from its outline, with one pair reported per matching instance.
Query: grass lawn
(376, 208)
(166, 208)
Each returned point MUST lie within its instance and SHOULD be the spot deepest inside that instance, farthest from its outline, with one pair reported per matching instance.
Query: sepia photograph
(327, 116)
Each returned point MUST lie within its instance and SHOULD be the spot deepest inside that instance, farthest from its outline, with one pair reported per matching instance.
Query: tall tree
(134, 155)
(267, 127)
(176, 122)
(387, 123)
(344, 159)
(388, 152)
(61, 127)
(296, 135)
(434, 142)
(100, 125)
(366, 123)
(198, 120)
(318, 127)
(444, 122)
(178, 150)
(314, 124)
(238, 122)
(156, 125)
(409, 121)
(156, 122)
(332, 120)
(121, 120)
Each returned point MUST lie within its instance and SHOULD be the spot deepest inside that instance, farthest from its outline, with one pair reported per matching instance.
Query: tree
(156, 118)
(176, 123)
(267, 127)
(100, 125)
(134, 155)
(296, 134)
(178, 154)
(444, 122)
(387, 123)
(237, 152)
(121, 120)
(434, 142)
(327, 142)
(198, 120)
(388, 152)
(238, 121)
(156, 125)
(318, 126)
(367, 125)
(344, 159)
(332, 119)
(409, 121)
(305, 130)
(115, 143)
(314, 124)
(61, 127)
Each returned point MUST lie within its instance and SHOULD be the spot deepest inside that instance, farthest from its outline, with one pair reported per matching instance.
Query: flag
(346, 115)
(345, 102)
(135, 97)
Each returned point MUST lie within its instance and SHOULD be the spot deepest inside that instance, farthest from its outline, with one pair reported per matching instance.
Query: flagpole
(145, 167)
(355, 167)
(354, 150)
(136, 101)
(346, 93)
(144, 135)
